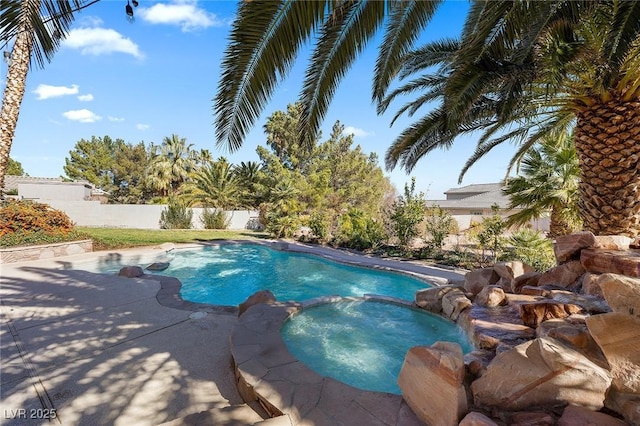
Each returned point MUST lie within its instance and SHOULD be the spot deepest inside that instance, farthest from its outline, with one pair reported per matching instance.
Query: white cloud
(141, 126)
(100, 41)
(45, 91)
(86, 98)
(350, 130)
(184, 13)
(82, 115)
(116, 119)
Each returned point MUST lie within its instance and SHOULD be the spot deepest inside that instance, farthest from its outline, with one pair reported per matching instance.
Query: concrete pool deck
(102, 349)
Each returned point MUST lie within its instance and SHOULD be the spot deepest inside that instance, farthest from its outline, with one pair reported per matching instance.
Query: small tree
(533, 248)
(359, 231)
(439, 223)
(176, 215)
(215, 218)
(488, 234)
(407, 213)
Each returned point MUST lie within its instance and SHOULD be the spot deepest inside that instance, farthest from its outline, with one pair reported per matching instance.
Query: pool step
(240, 415)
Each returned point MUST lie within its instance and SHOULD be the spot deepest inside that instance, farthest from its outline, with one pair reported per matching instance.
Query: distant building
(470, 203)
(53, 189)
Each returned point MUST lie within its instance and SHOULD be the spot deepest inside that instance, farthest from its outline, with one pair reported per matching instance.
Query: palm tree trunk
(14, 90)
(558, 225)
(607, 138)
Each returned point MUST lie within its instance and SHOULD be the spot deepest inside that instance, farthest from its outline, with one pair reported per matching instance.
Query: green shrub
(176, 215)
(439, 223)
(319, 224)
(215, 219)
(31, 238)
(533, 248)
(359, 231)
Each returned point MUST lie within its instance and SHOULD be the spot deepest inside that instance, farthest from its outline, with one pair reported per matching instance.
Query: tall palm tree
(37, 28)
(170, 168)
(547, 183)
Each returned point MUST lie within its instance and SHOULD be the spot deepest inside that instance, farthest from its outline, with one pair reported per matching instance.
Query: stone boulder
(158, 266)
(612, 242)
(591, 284)
(590, 304)
(431, 380)
(453, 303)
(476, 280)
(618, 335)
(565, 275)
(574, 416)
(530, 418)
(131, 272)
(568, 247)
(621, 293)
(430, 299)
(534, 313)
(262, 296)
(490, 297)
(541, 373)
(529, 279)
(490, 328)
(513, 269)
(617, 262)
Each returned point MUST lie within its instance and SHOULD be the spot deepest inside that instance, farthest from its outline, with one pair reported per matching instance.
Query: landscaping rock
(591, 284)
(490, 297)
(618, 335)
(477, 419)
(488, 328)
(612, 242)
(616, 262)
(476, 280)
(626, 404)
(534, 313)
(476, 362)
(454, 302)
(568, 247)
(541, 373)
(534, 291)
(513, 269)
(621, 293)
(431, 298)
(131, 272)
(431, 380)
(262, 296)
(531, 418)
(565, 275)
(158, 266)
(574, 415)
(529, 279)
(590, 304)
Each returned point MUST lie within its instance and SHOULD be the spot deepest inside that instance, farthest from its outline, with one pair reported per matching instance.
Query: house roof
(481, 196)
(11, 182)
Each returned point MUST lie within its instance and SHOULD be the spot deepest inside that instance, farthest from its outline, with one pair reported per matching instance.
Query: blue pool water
(363, 343)
(227, 274)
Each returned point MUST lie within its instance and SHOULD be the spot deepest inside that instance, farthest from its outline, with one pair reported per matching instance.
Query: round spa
(363, 342)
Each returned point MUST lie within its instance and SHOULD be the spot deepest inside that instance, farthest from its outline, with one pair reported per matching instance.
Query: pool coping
(267, 373)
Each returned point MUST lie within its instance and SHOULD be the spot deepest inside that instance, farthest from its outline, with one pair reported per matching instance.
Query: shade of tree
(519, 69)
(547, 184)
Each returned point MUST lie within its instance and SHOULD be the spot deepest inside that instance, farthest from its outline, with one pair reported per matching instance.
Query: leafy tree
(547, 182)
(249, 175)
(489, 234)
(170, 167)
(407, 213)
(359, 231)
(130, 183)
(14, 168)
(283, 137)
(94, 161)
(438, 223)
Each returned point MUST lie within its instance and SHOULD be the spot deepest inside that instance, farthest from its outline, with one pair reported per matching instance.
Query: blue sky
(157, 76)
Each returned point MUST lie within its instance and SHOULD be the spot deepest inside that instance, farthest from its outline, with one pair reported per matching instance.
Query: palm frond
(623, 31)
(406, 20)
(264, 42)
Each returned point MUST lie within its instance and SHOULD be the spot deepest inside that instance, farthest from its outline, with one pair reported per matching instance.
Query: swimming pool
(363, 343)
(226, 274)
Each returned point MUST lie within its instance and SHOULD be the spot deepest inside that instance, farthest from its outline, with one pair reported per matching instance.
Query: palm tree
(520, 70)
(547, 182)
(215, 185)
(170, 167)
(37, 28)
(249, 175)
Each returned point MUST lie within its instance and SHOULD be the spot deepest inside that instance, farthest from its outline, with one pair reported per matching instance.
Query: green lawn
(114, 238)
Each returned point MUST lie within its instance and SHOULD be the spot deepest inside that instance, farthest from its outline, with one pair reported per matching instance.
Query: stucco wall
(44, 193)
(141, 216)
